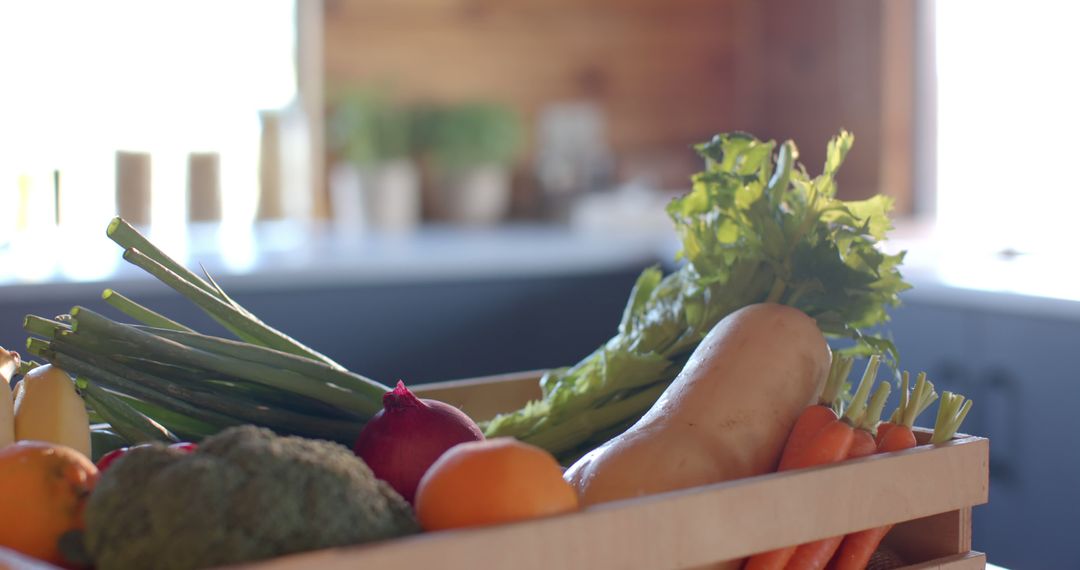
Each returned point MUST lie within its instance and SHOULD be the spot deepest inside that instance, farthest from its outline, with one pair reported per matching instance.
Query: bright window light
(82, 80)
(1008, 116)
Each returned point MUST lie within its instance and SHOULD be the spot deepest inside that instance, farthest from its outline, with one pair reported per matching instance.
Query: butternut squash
(727, 414)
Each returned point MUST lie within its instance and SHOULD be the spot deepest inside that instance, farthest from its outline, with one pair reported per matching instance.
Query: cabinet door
(1027, 393)
(934, 339)
(953, 346)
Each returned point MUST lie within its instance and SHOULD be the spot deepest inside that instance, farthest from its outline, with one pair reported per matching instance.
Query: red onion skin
(403, 439)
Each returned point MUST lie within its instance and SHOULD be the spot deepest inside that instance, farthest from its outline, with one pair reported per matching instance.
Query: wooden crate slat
(966, 561)
(701, 525)
(482, 398)
(932, 537)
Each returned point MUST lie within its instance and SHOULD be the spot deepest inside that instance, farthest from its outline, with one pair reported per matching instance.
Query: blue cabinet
(1020, 371)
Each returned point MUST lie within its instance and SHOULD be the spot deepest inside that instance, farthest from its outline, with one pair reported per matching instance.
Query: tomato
(106, 460)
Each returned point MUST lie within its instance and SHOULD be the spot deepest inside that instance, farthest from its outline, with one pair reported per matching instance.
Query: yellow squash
(726, 416)
(47, 408)
(9, 364)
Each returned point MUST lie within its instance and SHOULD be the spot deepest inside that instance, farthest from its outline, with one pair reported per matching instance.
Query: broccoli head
(246, 494)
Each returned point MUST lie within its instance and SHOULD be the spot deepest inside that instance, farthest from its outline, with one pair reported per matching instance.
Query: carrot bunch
(857, 548)
(821, 437)
(815, 555)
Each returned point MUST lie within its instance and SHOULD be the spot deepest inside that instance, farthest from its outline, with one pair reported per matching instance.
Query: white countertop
(946, 271)
(280, 255)
(284, 254)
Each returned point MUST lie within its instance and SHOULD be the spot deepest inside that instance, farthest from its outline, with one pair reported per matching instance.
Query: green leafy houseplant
(460, 137)
(469, 150)
(375, 182)
(366, 129)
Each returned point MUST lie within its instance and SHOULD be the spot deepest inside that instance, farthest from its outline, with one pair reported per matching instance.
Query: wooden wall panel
(661, 70)
(667, 73)
(816, 68)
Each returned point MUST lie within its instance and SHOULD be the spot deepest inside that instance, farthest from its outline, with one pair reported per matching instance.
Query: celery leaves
(754, 227)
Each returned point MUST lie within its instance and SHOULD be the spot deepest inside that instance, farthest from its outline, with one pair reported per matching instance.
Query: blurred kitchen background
(429, 190)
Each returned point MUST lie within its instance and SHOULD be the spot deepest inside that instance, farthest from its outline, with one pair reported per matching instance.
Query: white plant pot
(479, 195)
(385, 197)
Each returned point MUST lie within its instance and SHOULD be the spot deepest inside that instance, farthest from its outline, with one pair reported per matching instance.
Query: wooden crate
(929, 491)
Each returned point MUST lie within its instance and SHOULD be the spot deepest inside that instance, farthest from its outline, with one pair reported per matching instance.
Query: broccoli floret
(246, 494)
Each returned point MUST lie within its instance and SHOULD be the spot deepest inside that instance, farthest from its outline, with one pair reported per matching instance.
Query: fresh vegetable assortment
(216, 451)
(754, 228)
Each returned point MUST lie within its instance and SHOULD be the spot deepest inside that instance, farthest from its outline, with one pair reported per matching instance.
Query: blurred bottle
(204, 187)
(270, 200)
(573, 156)
(133, 185)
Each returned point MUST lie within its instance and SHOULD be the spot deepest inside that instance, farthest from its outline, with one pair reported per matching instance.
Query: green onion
(271, 357)
(213, 407)
(125, 420)
(139, 312)
(85, 320)
(208, 296)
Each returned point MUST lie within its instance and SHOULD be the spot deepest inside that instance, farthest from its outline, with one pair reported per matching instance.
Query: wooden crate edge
(701, 525)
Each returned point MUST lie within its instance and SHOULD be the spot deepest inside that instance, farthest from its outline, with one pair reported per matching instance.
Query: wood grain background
(667, 74)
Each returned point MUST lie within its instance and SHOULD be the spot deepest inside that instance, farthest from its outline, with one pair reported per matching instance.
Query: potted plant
(470, 149)
(375, 182)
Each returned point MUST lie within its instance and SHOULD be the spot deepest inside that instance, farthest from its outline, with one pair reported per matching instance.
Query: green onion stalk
(158, 379)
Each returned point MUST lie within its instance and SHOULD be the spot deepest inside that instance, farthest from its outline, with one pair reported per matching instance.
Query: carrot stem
(872, 416)
(923, 395)
(858, 401)
(838, 373)
(951, 413)
(905, 395)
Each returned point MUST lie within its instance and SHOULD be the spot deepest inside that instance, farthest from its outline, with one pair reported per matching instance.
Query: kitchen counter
(287, 254)
(436, 304)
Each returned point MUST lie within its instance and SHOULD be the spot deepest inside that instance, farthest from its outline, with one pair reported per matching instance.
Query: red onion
(403, 439)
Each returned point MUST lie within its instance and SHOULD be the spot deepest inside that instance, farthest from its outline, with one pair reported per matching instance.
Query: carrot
(887, 425)
(815, 555)
(883, 430)
(857, 548)
(818, 415)
(901, 436)
(830, 444)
